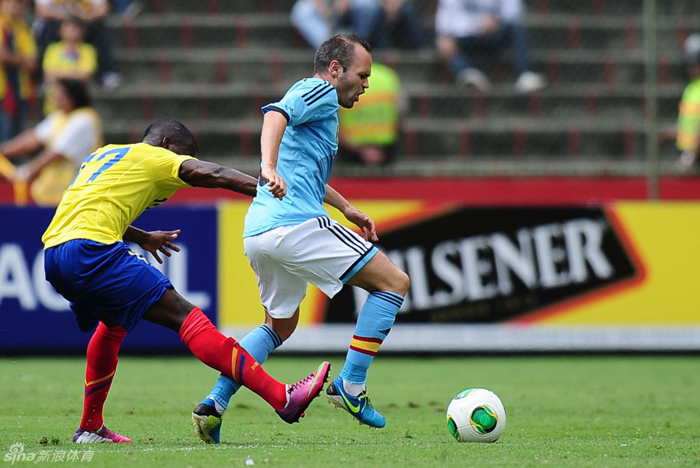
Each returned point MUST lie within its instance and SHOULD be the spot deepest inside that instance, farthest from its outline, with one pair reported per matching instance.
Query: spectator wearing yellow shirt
(69, 58)
(94, 13)
(369, 132)
(17, 61)
(688, 131)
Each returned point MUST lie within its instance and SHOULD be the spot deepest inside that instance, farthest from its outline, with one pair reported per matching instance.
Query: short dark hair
(170, 128)
(77, 92)
(339, 47)
(76, 20)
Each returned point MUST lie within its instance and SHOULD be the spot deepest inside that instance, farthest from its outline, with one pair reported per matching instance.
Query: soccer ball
(476, 415)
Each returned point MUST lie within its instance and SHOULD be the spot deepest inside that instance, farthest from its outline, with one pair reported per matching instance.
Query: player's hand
(275, 182)
(364, 222)
(160, 241)
(488, 24)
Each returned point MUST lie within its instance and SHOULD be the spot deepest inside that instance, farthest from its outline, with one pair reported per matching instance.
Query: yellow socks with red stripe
(226, 355)
(102, 358)
(373, 325)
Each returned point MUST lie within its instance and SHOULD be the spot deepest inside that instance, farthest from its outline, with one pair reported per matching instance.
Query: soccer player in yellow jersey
(107, 285)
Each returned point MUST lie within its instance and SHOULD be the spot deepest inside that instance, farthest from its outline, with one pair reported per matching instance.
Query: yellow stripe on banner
(239, 299)
(366, 345)
(87, 384)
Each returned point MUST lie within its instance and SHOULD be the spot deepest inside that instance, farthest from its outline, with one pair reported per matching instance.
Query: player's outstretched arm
(22, 145)
(274, 124)
(352, 214)
(211, 175)
(153, 241)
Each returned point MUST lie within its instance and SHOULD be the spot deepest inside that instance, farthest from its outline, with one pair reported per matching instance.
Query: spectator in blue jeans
(387, 23)
(476, 29)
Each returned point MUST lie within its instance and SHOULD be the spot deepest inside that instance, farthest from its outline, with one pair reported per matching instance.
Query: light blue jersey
(305, 158)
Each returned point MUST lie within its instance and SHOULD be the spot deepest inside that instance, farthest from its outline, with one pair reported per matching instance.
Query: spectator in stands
(68, 58)
(64, 138)
(688, 130)
(17, 61)
(369, 132)
(475, 29)
(50, 14)
(126, 8)
(383, 23)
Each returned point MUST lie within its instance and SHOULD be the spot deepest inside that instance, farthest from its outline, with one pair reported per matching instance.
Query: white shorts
(318, 251)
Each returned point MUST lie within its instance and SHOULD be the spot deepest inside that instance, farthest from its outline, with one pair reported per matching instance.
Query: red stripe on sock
(363, 351)
(367, 339)
(226, 355)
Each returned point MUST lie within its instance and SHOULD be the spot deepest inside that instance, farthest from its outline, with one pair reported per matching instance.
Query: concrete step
(244, 102)
(545, 32)
(280, 67)
(611, 7)
(456, 165)
(595, 7)
(216, 6)
(575, 138)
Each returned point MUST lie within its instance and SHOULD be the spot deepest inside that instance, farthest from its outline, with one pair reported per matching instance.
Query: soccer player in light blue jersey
(290, 241)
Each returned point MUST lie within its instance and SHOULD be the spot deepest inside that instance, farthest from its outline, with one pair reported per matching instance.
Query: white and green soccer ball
(476, 415)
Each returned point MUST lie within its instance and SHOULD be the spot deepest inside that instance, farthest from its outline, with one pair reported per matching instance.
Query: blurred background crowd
(459, 87)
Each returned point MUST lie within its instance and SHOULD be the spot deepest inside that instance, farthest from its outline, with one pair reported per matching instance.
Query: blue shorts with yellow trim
(104, 279)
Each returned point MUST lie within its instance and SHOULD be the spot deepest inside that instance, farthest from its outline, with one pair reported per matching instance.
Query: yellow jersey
(62, 58)
(114, 186)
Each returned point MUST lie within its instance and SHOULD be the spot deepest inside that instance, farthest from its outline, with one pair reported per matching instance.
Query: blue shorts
(104, 279)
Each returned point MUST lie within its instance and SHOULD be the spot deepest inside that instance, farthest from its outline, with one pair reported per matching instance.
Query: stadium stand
(214, 63)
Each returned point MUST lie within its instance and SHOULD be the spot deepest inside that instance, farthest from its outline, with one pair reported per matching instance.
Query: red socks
(102, 352)
(226, 355)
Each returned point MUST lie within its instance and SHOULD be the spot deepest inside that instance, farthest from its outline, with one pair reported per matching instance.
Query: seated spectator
(687, 140)
(126, 8)
(388, 23)
(369, 132)
(68, 58)
(17, 61)
(51, 13)
(402, 25)
(64, 138)
(476, 29)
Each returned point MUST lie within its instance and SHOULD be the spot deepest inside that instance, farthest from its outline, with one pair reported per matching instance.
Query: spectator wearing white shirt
(476, 29)
(63, 140)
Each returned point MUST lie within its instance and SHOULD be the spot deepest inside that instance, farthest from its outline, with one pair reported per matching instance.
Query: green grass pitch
(562, 411)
